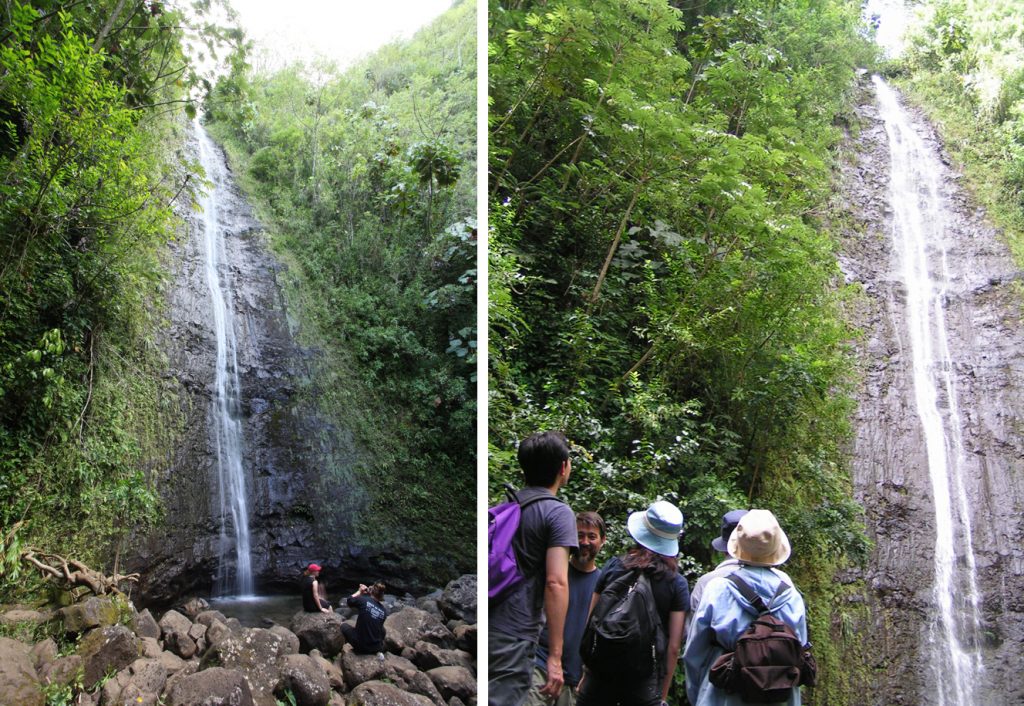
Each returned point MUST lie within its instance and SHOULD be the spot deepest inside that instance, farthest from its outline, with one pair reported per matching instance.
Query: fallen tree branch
(74, 573)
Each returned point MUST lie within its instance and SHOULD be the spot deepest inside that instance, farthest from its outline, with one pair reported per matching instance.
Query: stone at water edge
(318, 631)
(18, 682)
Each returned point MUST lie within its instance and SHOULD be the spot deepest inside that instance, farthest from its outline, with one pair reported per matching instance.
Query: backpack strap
(752, 596)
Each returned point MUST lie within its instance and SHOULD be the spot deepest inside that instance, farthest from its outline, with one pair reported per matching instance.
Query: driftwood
(74, 573)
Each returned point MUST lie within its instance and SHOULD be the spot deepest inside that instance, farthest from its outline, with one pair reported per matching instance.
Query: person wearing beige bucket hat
(656, 533)
(759, 544)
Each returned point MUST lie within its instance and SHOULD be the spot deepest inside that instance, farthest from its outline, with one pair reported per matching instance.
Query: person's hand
(363, 588)
(555, 679)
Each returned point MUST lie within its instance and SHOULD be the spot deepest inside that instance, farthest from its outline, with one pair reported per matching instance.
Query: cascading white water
(918, 231)
(226, 405)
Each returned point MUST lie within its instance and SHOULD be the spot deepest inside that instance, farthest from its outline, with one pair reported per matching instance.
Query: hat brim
(780, 555)
(719, 545)
(645, 538)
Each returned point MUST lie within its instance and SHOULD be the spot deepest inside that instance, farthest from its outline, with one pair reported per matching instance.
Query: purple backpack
(503, 572)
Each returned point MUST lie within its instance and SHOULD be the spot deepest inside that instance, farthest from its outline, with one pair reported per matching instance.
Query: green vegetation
(89, 93)
(366, 181)
(663, 286)
(965, 65)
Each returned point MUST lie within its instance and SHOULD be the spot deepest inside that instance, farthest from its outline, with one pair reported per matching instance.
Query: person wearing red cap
(312, 599)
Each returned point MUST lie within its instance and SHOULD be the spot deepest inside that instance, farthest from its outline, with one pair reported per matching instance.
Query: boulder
(427, 656)
(147, 678)
(110, 692)
(254, 653)
(193, 607)
(207, 617)
(149, 647)
(18, 682)
(62, 671)
(453, 681)
(145, 625)
(410, 625)
(318, 631)
(97, 612)
(43, 654)
(419, 683)
(303, 677)
(335, 676)
(465, 638)
(458, 601)
(430, 606)
(216, 632)
(172, 663)
(24, 616)
(377, 693)
(290, 641)
(175, 628)
(106, 650)
(211, 687)
(361, 668)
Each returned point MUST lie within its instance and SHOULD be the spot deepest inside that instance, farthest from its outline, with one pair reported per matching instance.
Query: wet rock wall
(983, 318)
(287, 448)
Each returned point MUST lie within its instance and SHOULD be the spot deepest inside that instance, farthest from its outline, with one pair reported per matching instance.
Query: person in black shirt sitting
(367, 637)
(314, 599)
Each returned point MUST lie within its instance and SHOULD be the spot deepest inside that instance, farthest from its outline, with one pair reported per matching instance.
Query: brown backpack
(768, 660)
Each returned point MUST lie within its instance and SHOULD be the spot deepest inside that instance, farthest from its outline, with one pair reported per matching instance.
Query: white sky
(342, 30)
(893, 19)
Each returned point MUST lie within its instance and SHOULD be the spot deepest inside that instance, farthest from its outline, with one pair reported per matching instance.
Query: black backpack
(624, 636)
(768, 660)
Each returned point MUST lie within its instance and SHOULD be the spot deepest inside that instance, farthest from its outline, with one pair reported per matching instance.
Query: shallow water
(255, 611)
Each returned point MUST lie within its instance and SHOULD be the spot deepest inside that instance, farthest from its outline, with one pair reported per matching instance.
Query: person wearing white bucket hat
(759, 544)
(656, 532)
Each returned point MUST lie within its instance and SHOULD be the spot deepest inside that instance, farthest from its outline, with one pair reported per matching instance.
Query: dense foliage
(964, 62)
(86, 194)
(366, 180)
(662, 287)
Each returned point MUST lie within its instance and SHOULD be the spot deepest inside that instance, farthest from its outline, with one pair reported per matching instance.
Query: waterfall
(920, 211)
(225, 410)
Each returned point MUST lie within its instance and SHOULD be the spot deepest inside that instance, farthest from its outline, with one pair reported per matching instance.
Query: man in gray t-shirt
(547, 532)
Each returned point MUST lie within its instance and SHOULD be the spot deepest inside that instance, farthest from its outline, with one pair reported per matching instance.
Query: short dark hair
(591, 519)
(541, 456)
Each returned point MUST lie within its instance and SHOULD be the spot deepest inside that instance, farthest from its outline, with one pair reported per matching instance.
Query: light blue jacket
(721, 617)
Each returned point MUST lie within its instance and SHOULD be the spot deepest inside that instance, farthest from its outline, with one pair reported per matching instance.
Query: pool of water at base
(255, 611)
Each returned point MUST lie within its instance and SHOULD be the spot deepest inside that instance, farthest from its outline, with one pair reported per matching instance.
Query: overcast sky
(343, 30)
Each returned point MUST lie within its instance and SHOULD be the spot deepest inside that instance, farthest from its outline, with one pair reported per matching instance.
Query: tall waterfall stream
(919, 214)
(226, 404)
(937, 615)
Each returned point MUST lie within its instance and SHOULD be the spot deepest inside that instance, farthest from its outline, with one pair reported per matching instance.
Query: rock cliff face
(889, 653)
(286, 447)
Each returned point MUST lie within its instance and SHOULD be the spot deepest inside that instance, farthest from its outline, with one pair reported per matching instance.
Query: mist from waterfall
(920, 211)
(225, 410)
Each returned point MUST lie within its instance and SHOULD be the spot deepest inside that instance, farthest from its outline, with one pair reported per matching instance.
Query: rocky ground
(108, 654)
